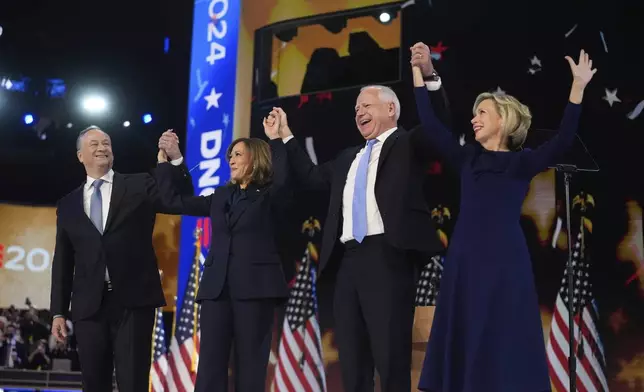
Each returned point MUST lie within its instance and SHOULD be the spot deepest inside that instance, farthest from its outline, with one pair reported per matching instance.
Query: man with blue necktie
(377, 233)
(105, 266)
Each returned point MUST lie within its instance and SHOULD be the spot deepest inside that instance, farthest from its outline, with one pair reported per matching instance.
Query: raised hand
(421, 58)
(272, 125)
(582, 72)
(169, 143)
(285, 131)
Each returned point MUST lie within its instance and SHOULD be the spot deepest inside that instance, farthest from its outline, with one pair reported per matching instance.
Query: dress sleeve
(532, 162)
(433, 134)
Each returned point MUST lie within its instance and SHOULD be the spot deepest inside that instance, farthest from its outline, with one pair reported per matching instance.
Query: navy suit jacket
(244, 255)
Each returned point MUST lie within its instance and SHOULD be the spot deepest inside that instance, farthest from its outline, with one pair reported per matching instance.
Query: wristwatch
(432, 78)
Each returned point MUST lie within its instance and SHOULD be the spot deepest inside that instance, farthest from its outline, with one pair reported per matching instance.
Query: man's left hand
(421, 57)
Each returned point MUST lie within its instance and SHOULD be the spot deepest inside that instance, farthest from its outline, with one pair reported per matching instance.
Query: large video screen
(27, 241)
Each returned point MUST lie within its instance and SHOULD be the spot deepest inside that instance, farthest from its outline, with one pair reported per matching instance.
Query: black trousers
(374, 315)
(115, 337)
(247, 325)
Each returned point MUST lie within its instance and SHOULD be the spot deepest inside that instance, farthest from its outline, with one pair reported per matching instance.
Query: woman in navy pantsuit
(486, 334)
(243, 280)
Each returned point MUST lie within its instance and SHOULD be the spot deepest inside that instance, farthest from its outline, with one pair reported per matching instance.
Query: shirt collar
(383, 136)
(108, 177)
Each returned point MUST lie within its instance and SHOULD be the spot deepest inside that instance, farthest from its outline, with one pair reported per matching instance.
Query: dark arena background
(311, 57)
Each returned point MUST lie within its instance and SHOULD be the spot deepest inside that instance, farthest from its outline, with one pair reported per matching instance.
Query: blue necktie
(360, 194)
(96, 206)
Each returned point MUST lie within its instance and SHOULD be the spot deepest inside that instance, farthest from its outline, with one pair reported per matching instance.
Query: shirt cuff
(57, 316)
(177, 161)
(286, 139)
(434, 85)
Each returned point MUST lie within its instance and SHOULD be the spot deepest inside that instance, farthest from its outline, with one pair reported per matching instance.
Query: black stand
(577, 159)
(567, 171)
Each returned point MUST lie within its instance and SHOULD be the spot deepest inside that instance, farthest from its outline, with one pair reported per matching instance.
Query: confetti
(601, 34)
(555, 236)
(533, 71)
(202, 86)
(636, 112)
(611, 97)
(499, 90)
(535, 61)
(310, 149)
(461, 140)
(225, 120)
(408, 3)
(192, 122)
(437, 51)
(571, 30)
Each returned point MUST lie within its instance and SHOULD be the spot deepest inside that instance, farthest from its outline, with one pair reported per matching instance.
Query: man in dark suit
(377, 232)
(105, 265)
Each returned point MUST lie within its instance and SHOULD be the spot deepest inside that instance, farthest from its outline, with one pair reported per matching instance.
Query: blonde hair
(260, 157)
(515, 115)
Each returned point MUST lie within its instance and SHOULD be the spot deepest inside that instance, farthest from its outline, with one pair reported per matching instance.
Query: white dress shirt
(106, 196)
(374, 219)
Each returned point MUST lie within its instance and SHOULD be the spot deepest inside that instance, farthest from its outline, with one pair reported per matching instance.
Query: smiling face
(487, 124)
(95, 151)
(241, 163)
(373, 116)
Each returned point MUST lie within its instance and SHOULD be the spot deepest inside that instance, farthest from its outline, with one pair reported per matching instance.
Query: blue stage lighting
(29, 119)
(147, 118)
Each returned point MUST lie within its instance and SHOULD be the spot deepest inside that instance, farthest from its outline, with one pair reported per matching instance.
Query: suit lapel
(252, 194)
(384, 153)
(78, 208)
(118, 191)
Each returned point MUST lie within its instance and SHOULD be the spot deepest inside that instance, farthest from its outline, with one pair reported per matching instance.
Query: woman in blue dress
(486, 334)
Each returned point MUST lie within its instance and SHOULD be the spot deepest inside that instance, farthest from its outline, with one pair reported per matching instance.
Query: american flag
(589, 351)
(159, 369)
(184, 347)
(300, 366)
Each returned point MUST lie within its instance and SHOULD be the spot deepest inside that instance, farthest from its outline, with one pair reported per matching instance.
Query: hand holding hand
(583, 71)
(272, 125)
(421, 58)
(285, 131)
(169, 142)
(59, 329)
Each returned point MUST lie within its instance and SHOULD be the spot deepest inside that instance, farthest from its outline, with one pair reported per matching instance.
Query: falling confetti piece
(408, 3)
(535, 61)
(437, 51)
(571, 30)
(461, 140)
(636, 112)
(202, 86)
(601, 34)
(555, 236)
(192, 122)
(499, 90)
(611, 97)
(310, 149)
(533, 71)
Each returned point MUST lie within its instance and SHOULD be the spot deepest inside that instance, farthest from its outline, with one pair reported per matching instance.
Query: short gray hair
(386, 94)
(83, 132)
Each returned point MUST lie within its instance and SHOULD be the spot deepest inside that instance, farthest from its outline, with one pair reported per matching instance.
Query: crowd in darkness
(26, 341)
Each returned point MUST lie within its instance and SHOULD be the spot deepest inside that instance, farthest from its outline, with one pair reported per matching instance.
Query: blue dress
(486, 334)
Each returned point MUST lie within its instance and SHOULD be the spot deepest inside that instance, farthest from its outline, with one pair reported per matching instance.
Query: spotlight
(29, 119)
(385, 17)
(94, 104)
(147, 118)
(126, 124)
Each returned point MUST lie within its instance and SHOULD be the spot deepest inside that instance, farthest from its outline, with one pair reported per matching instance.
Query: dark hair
(260, 157)
(83, 132)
